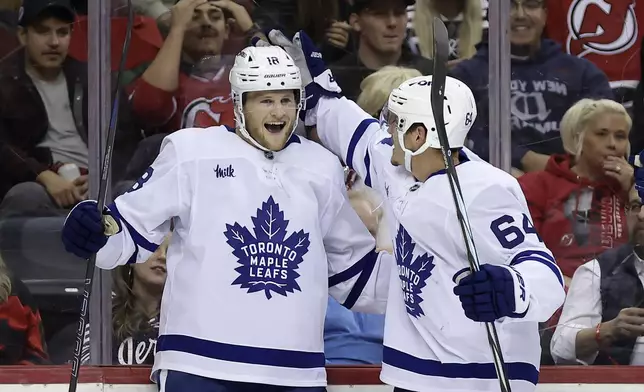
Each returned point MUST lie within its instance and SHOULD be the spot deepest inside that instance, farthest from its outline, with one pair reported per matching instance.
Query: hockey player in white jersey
(435, 338)
(263, 233)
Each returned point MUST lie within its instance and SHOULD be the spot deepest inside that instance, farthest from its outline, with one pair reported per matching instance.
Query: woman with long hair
(135, 308)
(136, 300)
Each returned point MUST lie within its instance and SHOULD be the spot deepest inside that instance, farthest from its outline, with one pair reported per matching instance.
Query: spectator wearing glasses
(545, 83)
(603, 317)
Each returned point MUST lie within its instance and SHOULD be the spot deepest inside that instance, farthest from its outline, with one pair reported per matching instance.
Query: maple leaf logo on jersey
(413, 272)
(268, 258)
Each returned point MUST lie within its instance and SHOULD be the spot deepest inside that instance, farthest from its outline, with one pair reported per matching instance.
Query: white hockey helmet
(410, 103)
(263, 68)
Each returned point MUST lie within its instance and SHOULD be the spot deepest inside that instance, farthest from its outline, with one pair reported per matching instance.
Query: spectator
(41, 116)
(578, 203)
(603, 316)
(153, 8)
(325, 21)
(375, 88)
(381, 27)
(545, 83)
(21, 334)
(465, 24)
(135, 312)
(136, 303)
(187, 83)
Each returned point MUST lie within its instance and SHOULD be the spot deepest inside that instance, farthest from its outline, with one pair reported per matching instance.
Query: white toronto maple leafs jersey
(259, 242)
(430, 345)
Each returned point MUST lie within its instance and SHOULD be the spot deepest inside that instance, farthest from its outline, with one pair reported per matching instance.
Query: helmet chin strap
(408, 161)
(408, 153)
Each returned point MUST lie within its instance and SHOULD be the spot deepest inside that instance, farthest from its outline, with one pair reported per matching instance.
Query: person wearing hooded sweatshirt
(545, 83)
(578, 203)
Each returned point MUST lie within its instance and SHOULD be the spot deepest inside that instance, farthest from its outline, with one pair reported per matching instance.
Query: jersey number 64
(509, 234)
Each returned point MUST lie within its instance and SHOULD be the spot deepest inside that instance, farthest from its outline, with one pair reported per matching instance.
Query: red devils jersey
(606, 32)
(199, 102)
(205, 102)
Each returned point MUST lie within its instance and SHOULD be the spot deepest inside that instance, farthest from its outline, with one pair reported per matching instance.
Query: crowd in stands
(577, 115)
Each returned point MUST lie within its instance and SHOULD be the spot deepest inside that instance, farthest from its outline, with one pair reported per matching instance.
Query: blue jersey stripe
(540, 257)
(483, 371)
(370, 260)
(355, 139)
(240, 354)
(138, 239)
(352, 271)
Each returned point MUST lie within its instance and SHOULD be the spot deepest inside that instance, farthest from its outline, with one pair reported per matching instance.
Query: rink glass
(30, 245)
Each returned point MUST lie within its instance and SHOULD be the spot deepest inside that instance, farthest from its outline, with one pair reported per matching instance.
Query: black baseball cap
(359, 5)
(31, 10)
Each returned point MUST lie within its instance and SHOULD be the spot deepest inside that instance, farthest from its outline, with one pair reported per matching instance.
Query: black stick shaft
(441, 53)
(102, 195)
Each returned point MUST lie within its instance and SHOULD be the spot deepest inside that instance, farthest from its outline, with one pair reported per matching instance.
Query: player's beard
(275, 141)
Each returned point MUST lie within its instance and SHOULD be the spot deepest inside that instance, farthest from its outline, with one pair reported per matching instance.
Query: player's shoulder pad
(490, 179)
(196, 142)
(317, 159)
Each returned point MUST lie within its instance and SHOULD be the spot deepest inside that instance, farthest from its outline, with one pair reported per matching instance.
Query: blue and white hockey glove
(494, 292)
(86, 231)
(317, 79)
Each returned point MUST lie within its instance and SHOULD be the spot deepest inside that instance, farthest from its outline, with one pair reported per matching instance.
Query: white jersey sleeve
(146, 210)
(350, 133)
(358, 275)
(504, 234)
(354, 136)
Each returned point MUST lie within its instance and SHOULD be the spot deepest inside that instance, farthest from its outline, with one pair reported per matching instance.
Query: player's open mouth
(275, 126)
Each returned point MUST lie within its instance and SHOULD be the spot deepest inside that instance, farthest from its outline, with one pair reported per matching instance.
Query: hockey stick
(441, 55)
(102, 194)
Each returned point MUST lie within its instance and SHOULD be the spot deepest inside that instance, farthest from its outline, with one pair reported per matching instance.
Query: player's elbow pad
(545, 288)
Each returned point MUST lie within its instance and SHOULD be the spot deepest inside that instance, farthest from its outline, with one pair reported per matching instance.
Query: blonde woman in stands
(578, 202)
(465, 20)
(21, 332)
(375, 88)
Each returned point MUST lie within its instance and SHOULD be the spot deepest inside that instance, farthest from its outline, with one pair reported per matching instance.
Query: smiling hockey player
(435, 338)
(263, 233)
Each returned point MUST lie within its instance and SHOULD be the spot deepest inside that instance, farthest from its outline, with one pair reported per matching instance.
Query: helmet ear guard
(263, 68)
(411, 103)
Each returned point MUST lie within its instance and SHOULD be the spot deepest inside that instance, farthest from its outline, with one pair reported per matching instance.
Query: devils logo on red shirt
(604, 27)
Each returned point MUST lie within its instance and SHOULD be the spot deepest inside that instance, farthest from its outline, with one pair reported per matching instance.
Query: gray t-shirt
(62, 137)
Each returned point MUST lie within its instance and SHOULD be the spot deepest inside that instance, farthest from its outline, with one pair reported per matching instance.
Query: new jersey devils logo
(200, 114)
(604, 27)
